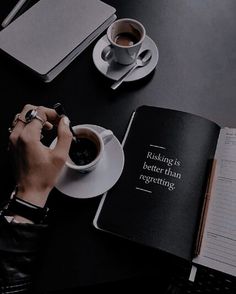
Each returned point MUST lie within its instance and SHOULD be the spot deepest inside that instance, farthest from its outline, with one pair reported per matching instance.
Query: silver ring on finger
(33, 114)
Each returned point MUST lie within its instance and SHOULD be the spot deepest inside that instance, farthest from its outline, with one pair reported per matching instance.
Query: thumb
(64, 137)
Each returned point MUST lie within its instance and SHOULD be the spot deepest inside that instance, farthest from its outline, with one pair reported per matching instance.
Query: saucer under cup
(114, 70)
(98, 181)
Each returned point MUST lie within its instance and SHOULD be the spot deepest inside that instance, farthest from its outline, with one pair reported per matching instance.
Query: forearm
(37, 168)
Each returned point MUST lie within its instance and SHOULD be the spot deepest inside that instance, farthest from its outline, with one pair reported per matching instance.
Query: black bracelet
(27, 210)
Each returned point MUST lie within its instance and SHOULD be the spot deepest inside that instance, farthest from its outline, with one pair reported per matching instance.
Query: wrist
(34, 197)
(19, 210)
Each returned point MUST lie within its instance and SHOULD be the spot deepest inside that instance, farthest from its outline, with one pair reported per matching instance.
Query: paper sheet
(218, 250)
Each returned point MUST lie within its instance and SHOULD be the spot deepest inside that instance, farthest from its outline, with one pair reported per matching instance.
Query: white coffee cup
(126, 36)
(86, 162)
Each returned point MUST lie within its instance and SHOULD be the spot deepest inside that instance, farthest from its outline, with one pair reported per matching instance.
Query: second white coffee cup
(126, 36)
(86, 153)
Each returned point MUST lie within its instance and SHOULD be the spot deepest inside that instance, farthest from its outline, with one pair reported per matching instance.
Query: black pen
(60, 110)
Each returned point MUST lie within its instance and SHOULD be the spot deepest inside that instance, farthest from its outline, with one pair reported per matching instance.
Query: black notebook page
(158, 198)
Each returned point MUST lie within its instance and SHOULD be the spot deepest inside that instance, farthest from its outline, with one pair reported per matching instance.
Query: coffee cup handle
(107, 53)
(106, 136)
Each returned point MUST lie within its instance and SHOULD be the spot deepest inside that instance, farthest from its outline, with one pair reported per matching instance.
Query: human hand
(38, 166)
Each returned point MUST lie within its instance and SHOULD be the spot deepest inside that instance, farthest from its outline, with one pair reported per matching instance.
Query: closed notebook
(48, 36)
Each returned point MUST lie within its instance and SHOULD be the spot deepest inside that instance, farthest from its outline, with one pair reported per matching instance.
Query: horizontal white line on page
(144, 190)
(156, 146)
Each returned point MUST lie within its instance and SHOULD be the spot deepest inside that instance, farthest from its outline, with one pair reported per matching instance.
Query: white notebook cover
(50, 30)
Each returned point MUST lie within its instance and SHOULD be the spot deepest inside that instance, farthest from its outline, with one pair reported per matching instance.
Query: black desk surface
(196, 73)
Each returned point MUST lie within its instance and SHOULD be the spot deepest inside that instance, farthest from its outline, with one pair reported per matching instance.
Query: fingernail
(66, 120)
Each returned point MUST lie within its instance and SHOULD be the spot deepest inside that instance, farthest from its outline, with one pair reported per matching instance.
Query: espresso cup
(125, 36)
(86, 152)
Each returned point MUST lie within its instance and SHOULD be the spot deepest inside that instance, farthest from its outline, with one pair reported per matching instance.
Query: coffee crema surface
(126, 39)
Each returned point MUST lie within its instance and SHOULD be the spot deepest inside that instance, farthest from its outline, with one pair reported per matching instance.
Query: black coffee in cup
(127, 39)
(84, 151)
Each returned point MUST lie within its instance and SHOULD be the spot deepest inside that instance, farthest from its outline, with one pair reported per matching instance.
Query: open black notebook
(161, 198)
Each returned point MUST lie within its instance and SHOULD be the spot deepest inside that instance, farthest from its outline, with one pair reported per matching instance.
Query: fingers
(37, 120)
(48, 114)
(48, 126)
(64, 138)
(45, 118)
(20, 124)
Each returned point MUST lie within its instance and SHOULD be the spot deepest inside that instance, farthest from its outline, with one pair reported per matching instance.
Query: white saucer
(98, 181)
(114, 70)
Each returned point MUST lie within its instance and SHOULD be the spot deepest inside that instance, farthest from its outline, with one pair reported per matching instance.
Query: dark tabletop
(196, 73)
